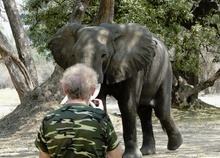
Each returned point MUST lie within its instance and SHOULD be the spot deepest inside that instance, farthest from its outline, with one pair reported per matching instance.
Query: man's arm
(43, 154)
(116, 153)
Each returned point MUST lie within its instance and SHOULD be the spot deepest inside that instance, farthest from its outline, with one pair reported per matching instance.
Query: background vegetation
(190, 29)
(173, 22)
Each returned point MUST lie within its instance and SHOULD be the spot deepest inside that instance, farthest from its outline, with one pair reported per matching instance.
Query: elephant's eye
(103, 55)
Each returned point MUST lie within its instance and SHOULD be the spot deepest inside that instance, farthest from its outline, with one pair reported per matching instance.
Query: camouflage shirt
(76, 130)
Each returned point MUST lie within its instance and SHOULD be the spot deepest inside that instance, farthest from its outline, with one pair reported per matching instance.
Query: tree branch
(208, 83)
(79, 11)
(203, 85)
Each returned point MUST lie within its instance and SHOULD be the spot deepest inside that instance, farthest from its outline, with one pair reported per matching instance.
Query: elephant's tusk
(97, 90)
(64, 100)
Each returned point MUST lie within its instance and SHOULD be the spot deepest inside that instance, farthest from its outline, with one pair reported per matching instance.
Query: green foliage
(44, 18)
(164, 18)
(91, 12)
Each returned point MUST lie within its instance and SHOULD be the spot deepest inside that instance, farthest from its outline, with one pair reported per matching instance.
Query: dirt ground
(200, 129)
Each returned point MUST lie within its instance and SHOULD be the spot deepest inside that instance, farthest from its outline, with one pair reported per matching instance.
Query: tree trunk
(18, 72)
(21, 39)
(182, 90)
(105, 13)
(41, 99)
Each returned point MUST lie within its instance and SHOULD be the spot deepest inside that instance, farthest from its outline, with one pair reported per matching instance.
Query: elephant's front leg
(128, 113)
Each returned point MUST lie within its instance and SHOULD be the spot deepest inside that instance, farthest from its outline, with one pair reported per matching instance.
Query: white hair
(79, 81)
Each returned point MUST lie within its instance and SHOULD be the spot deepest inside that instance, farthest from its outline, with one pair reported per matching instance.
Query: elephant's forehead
(94, 34)
(93, 31)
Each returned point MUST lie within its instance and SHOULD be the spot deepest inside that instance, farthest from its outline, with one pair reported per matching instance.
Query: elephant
(133, 66)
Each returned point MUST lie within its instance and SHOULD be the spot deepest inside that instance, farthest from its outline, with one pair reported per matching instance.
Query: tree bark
(21, 39)
(105, 13)
(18, 72)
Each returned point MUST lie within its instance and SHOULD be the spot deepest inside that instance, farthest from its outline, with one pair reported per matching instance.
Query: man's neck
(79, 101)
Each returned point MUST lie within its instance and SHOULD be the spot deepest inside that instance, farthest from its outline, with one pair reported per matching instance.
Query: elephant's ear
(62, 42)
(135, 48)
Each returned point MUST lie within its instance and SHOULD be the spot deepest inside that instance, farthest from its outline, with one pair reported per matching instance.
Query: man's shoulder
(77, 110)
(52, 114)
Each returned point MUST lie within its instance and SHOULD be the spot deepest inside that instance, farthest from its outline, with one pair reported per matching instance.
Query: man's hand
(96, 103)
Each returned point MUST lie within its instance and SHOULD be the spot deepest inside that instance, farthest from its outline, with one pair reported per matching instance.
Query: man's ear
(93, 91)
(64, 88)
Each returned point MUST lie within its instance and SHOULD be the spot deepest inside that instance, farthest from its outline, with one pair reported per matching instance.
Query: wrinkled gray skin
(134, 67)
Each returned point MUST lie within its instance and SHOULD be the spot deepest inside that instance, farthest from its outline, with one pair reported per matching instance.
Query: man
(78, 130)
